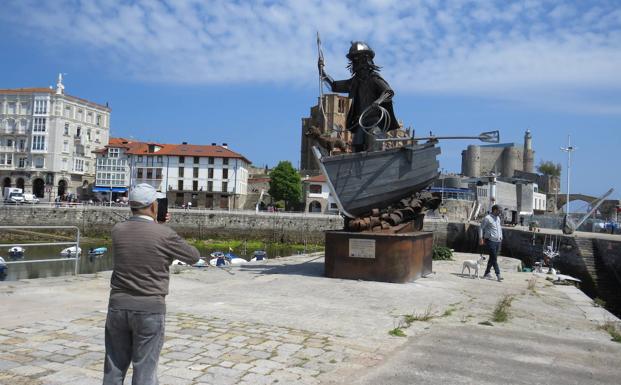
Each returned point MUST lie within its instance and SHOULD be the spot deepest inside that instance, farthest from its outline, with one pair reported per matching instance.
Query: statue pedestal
(372, 256)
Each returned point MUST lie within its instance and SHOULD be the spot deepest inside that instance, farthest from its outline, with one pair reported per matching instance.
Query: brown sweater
(143, 252)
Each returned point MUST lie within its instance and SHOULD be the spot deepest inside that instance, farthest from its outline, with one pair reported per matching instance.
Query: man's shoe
(499, 278)
(487, 276)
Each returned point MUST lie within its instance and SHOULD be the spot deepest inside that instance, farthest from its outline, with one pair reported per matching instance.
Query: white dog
(472, 264)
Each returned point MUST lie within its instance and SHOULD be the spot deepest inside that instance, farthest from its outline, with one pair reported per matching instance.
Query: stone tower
(529, 154)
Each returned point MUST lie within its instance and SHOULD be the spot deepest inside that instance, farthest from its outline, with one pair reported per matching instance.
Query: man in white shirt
(490, 234)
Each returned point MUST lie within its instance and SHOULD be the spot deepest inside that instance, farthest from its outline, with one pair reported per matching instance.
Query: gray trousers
(133, 337)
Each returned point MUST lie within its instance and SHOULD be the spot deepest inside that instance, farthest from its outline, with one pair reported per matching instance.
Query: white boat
(16, 252)
(218, 259)
(259, 255)
(234, 259)
(70, 252)
(177, 262)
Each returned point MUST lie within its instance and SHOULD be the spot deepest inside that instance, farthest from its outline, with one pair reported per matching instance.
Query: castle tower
(529, 154)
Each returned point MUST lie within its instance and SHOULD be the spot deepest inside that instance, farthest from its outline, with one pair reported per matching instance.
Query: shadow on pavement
(310, 268)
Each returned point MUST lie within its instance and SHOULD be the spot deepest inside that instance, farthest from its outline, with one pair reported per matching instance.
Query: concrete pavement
(283, 322)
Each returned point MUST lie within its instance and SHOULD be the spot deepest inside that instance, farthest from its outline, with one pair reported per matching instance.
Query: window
(180, 185)
(89, 117)
(210, 186)
(314, 189)
(66, 129)
(98, 121)
(38, 142)
(182, 159)
(80, 113)
(225, 187)
(196, 159)
(38, 161)
(78, 165)
(67, 112)
(181, 170)
(113, 152)
(139, 173)
(24, 108)
(65, 168)
(22, 162)
(159, 159)
(6, 159)
(139, 160)
(40, 107)
(225, 173)
(225, 161)
(11, 109)
(158, 173)
(149, 173)
(78, 131)
(22, 144)
(65, 146)
(195, 185)
(195, 173)
(341, 106)
(210, 173)
(88, 135)
(210, 160)
(9, 142)
(39, 125)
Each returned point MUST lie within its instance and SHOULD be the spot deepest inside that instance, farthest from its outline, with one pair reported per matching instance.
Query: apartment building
(207, 176)
(47, 140)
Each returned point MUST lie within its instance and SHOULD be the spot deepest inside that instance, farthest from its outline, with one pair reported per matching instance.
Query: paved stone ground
(282, 322)
(197, 350)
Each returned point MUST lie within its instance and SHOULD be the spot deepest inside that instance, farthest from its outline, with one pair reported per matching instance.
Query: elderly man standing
(490, 234)
(143, 252)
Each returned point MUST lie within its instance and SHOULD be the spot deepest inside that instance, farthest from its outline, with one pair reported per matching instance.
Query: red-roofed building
(47, 140)
(207, 176)
(317, 195)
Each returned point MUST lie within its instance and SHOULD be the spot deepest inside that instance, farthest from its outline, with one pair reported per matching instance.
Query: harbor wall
(201, 224)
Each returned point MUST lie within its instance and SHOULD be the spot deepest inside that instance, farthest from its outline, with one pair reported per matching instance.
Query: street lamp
(569, 149)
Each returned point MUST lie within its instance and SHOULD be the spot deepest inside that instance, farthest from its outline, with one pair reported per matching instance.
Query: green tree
(549, 168)
(285, 184)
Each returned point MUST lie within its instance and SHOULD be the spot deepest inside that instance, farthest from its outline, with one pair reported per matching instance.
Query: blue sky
(244, 73)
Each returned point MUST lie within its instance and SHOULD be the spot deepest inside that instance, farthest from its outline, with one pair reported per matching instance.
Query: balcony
(7, 149)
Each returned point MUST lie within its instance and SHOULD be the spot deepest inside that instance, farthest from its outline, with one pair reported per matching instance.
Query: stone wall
(203, 224)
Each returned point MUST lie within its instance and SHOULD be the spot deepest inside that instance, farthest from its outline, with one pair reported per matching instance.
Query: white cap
(143, 195)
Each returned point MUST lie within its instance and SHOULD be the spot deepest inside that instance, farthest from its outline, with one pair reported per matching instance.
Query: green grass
(426, 315)
(448, 312)
(611, 329)
(397, 332)
(501, 311)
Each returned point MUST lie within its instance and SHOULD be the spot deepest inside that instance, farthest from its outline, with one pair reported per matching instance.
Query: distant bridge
(607, 208)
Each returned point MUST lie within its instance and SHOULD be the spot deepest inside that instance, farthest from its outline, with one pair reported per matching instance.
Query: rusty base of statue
(400, 255)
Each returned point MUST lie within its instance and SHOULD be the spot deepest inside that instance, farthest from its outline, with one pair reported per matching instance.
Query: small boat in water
(234, 259)
(16, 252)
(259, 255)
(70, 252)
(218, 259)
(96, 252)
(3, 269)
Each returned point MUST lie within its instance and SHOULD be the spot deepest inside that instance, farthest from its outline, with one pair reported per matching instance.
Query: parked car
(30, 198)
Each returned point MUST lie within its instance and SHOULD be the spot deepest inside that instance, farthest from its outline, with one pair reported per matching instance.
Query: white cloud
(526, 50)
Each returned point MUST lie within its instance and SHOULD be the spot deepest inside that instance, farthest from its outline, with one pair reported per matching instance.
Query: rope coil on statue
(383, 116)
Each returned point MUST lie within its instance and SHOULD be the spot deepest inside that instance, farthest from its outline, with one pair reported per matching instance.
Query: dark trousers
(133, 337)
(492, 249)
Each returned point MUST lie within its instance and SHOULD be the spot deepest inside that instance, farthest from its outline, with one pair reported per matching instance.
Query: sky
(245, 72)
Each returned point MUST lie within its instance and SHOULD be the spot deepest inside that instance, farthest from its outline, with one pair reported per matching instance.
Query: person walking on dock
(143, 252)
(490, 235)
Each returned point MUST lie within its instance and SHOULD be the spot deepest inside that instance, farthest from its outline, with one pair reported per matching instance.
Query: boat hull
(363, 181)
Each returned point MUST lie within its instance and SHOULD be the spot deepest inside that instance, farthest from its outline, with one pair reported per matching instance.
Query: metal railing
(76, 259)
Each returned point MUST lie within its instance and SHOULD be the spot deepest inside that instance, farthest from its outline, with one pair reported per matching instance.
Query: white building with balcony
(205, 176)
(317, 196)
(47, 138)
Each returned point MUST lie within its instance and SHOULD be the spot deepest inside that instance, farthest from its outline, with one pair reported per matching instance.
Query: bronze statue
(371, 109)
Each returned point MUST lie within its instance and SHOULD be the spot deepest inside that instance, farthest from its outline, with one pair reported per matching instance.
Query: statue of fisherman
(370, 93)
